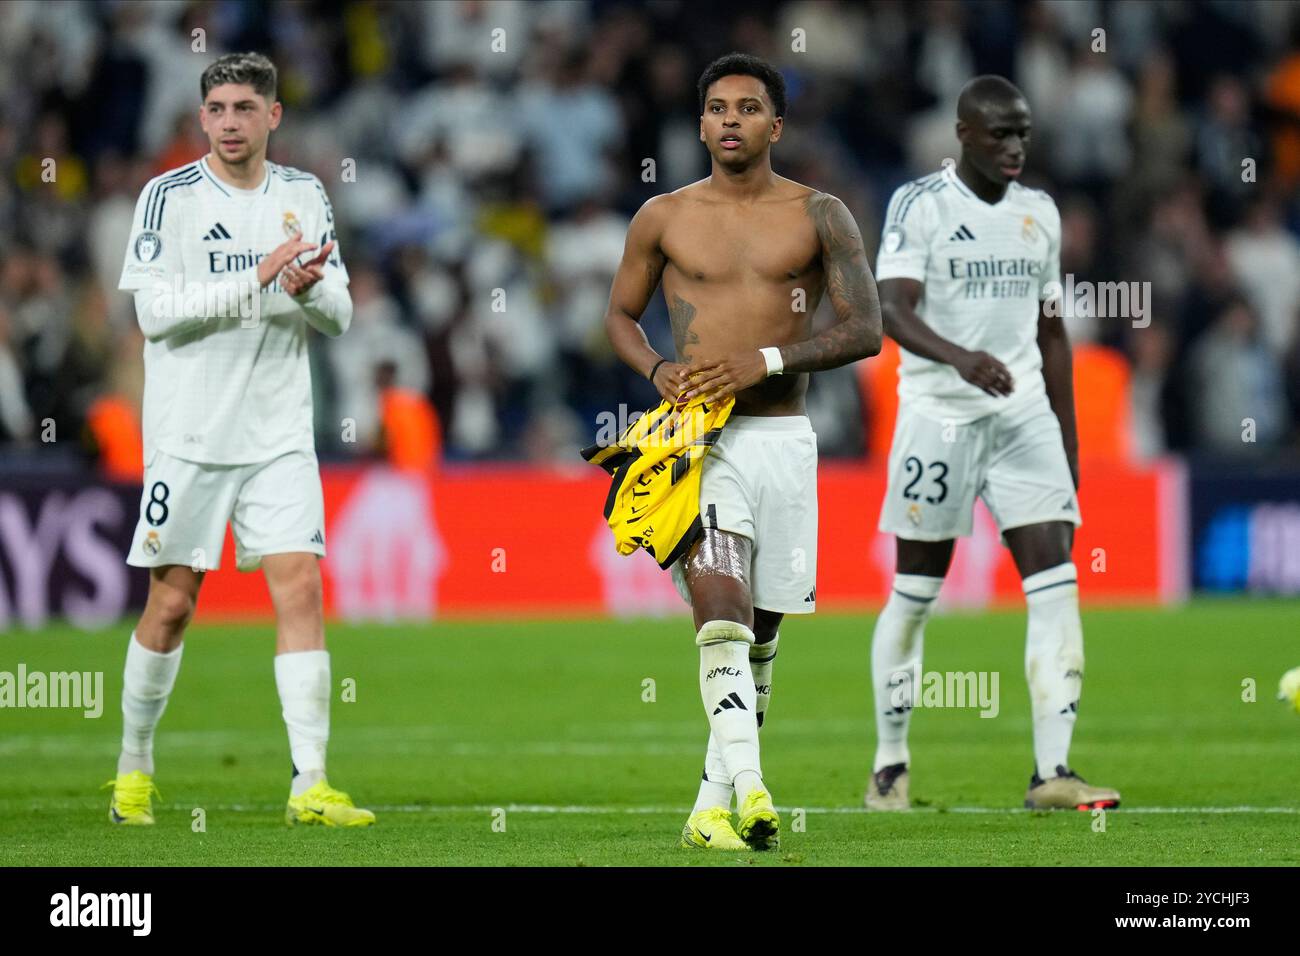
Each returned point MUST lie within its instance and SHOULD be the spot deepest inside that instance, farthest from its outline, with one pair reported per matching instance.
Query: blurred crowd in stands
(499, 150)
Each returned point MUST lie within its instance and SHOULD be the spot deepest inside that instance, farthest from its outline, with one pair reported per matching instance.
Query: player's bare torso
(743, 274)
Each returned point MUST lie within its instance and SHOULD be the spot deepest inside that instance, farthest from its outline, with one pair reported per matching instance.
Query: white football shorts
(275, 507)
(760, 481)
(1014, 460)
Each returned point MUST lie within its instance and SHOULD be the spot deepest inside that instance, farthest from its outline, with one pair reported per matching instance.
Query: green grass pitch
(454, 723)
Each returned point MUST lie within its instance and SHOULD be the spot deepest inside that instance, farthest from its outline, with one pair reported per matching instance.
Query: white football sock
(761, 659)
(303, 679)
(147, 682)
(1053, 663)
(896, 663)
(716, 789)
(727, 689)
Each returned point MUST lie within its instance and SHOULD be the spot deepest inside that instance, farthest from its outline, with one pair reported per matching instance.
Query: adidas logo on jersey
(961, 235)
(217, 232)
(318, 538)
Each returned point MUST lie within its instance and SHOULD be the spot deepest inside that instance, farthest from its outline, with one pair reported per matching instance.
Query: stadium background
(495, 174)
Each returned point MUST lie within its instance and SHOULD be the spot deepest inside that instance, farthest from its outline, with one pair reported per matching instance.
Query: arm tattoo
(852, 292)
(680, 315)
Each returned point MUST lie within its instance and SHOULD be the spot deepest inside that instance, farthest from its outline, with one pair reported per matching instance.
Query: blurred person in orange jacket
(410, 435)
(113, 422)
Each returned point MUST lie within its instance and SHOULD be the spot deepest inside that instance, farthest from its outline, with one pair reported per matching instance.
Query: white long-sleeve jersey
(227, 379)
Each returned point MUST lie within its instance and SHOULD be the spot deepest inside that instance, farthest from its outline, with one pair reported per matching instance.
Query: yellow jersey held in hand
(654, 498)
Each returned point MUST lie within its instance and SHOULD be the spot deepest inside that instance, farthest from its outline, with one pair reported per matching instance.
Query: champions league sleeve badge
(148, 246)
(893, 239)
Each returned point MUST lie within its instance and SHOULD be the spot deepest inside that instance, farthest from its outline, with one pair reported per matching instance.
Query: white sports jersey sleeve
(905, 242)
(1051, 277)
(166, 302)
(153, 253)
(327, 304)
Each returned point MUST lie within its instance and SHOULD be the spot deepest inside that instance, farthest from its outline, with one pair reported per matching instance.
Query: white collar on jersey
(230, 190)
(950, 175)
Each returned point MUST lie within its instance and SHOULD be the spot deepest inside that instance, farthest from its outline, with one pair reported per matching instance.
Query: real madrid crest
(291, 225)
(1029, 229)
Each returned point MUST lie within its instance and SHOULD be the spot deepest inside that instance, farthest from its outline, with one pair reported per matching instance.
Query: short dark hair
(252, 69)
(744, 64)
(989, 89)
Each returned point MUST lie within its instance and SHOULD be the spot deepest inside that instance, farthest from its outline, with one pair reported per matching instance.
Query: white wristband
(772, 356)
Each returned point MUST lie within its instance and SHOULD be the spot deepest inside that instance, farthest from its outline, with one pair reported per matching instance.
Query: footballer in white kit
(230, 259)
(968, 258)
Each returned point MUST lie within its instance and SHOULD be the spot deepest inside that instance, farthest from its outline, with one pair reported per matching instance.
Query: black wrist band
(651, 376)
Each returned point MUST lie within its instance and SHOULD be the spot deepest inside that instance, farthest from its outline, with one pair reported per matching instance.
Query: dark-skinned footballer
(969, 272)
(745, 257)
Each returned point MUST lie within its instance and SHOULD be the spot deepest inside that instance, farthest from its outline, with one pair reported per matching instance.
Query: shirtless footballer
(745, 257)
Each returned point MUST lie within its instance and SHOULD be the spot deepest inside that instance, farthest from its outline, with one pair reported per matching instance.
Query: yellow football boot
(131, 805)
(322, 804)
(711, 829)
(759, 825)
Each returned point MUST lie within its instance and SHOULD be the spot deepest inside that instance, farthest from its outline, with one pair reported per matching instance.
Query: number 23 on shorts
(934, 487)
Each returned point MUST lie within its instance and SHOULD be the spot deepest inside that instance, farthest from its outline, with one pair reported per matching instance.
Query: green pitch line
(552, 724)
